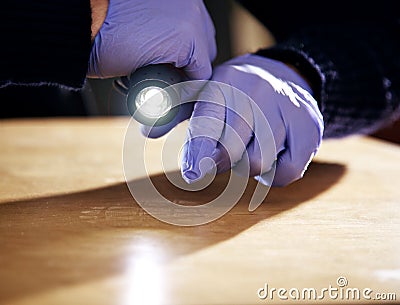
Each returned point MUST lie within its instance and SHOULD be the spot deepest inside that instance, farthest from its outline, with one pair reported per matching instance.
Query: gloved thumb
(184, 112)
(188, 92)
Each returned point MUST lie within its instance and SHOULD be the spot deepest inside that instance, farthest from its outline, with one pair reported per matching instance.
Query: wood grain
(71, 233)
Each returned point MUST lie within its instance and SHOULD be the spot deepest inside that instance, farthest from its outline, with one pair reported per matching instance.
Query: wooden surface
(71, 233)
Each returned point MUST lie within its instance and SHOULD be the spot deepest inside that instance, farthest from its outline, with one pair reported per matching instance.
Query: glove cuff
(353, 72)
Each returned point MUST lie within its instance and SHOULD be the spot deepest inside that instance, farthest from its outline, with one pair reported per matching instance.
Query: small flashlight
(150, 98)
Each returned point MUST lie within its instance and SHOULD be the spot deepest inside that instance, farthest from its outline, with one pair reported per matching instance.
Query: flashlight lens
(153, 102)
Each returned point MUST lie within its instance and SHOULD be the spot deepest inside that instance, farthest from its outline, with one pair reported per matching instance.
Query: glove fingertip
(154, 132)
(195, 72)
(197, 159)
(289, 170)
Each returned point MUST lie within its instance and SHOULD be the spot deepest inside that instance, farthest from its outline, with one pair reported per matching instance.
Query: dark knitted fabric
(349, 51)
(44, 42)
(350, 54)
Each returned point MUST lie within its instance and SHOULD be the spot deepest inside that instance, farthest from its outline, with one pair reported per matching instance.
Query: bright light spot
(153, 102)
(144, 277)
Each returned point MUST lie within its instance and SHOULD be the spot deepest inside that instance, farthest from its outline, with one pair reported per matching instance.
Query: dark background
(98, 96)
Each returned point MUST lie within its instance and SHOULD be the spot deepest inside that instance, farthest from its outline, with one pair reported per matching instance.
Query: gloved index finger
(205, 129)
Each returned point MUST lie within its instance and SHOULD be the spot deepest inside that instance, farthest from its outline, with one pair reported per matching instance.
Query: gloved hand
(284, 98)
(141, 32)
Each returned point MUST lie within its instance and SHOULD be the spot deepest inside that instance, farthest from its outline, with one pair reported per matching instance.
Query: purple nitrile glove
(136, 33)
(286, 101)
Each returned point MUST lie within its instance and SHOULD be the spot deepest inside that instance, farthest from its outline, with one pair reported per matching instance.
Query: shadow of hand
(91, 234)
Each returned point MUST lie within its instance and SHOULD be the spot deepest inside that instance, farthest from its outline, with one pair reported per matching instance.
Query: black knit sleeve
(44, 42)
(354, 71)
